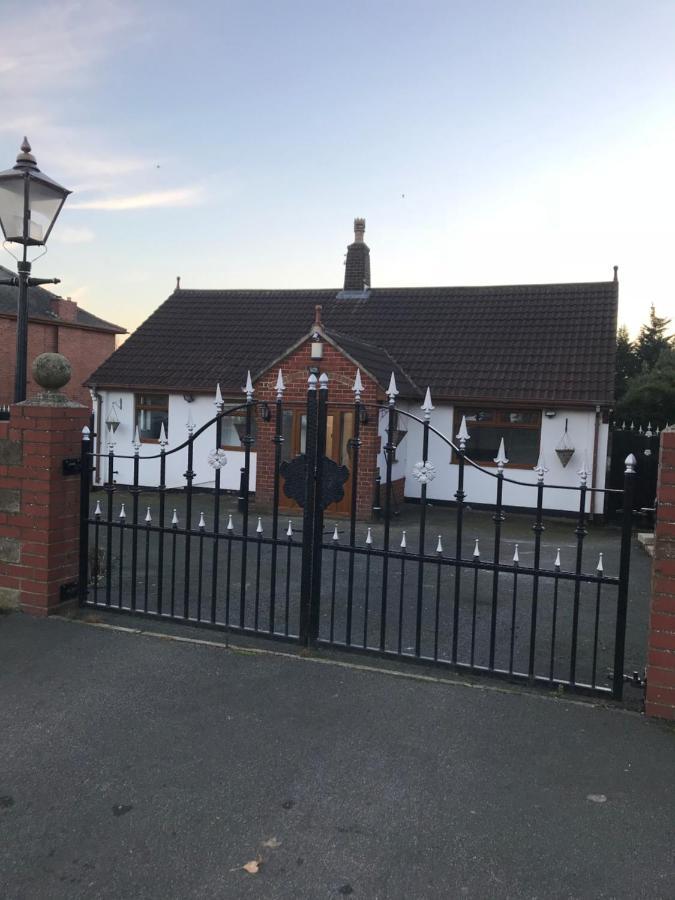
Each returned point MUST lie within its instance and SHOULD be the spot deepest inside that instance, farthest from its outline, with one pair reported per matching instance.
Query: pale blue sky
(484, 142)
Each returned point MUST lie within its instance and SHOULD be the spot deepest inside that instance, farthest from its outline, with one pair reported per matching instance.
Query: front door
(339, 432)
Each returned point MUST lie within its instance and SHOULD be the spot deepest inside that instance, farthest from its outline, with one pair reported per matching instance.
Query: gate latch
(72, 466)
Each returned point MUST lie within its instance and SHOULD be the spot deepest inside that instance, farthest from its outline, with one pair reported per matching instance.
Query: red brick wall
(660, 699)
(39, 505)
(341, 372)
(85, 349)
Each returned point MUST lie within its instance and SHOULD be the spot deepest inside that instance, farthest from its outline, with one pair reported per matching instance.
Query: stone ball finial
(51, 371)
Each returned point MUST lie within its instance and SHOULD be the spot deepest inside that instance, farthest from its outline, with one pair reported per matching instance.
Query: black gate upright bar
(135, 491)
(356, 446)
(308, 511)
(389, 449)
(216, 516)
(624, 574)
(462, 437)
(538, 529)
(278, 440)
(109, 488)
(248, 440)
(85, 482)
(498, 518)
(317, 532)
(581, 533)
(189, 477)
(427, 407)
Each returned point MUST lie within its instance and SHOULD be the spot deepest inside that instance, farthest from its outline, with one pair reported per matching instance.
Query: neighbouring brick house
(526, 363)
(55, 325)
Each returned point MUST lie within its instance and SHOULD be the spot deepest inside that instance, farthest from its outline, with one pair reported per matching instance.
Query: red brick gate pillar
(39, 504)
(660, 699)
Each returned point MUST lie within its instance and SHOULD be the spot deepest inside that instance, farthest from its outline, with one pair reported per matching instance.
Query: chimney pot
(357, 263)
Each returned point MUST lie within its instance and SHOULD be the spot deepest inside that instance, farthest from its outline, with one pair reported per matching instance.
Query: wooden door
(339, 432)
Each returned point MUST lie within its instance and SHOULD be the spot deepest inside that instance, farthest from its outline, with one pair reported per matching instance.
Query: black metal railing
(198, 560)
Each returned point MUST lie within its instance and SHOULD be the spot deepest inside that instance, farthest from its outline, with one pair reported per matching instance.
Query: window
(520, 429)
(151, 411)
(233, 427)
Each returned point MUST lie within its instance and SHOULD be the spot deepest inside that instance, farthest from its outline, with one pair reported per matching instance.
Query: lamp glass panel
(45, 202)
(11, 208)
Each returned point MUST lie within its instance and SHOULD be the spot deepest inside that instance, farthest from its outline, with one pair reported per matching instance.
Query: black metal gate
(199, 557)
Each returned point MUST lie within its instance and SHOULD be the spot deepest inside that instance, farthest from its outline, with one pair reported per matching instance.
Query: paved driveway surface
(134, 766)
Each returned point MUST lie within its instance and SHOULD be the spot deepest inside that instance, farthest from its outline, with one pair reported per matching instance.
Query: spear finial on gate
(439, 545)
(463, 434)
(392, 392)
(248, 389)
(289, 530)
(123, 513)
(427, 406)
(137, 440)
(631, 462)
(600, 568)
(148, 517)
(516, 558)
(259, 528)
(369, 537)
(476, 551)
(230, 523)
(583, 471)
(202, 523)
(557, 560)
(403, 541)
(500, 458)
(98, 511)
(190, 424)
(280, 386)
(311, 382)
(174, 519)
(357, 387)
(162, 436)
(323, 382)
(218, 402)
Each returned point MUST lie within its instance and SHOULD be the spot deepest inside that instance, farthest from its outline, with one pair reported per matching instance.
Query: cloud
(69, 235)
(189, 196)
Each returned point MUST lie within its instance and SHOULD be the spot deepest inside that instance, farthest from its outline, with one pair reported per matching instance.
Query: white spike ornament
(403, 541)
(148, 516)
(248, 389)
(280, 386)
(427, 407)
(230, 523)
(218, 402)
(463, 434)
(123, 513)
(289, 530)
(439, 545)
(357, 387)
(500, 458)
(202, 523)
(369, 538)
(476, 550)
(259, 527)
(600, 568)
(557, 559)
(336, 536)
(392, 391)
(516, 558)
(174, 518)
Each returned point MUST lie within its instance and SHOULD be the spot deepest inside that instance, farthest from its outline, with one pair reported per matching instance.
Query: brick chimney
(357, 264)
(64, 309)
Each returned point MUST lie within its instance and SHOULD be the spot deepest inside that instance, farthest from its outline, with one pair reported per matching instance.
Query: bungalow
(532, 364)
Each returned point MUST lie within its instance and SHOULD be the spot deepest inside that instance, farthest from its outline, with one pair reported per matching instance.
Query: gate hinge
(72, 466)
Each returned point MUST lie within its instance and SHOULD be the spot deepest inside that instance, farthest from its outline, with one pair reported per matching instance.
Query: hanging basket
(565, 449)
(564, 455)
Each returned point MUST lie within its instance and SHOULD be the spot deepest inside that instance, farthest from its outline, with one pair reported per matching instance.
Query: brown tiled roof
(39, 306)
(550, 343)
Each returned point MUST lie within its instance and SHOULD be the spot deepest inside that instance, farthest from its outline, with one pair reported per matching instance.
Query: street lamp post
(29, 205)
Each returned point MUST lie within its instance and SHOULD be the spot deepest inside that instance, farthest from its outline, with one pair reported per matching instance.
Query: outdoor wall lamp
(264, 410)
(30, 203)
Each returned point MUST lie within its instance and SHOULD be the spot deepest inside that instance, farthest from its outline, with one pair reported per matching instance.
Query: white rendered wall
(203, 410)
(481, 488)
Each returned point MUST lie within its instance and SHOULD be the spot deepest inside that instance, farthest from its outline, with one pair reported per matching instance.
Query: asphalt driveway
(132, 766)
